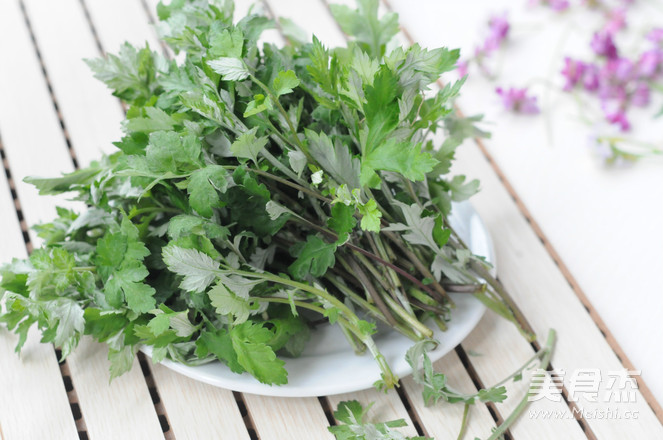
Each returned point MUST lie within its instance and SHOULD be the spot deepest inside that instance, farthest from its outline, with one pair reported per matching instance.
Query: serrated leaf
(248, 146)
(203, 187)
(285, 82)
(255, 356)
(198, 269)
(228, 303)
(334, 159)
(231, 69)
(313, 258)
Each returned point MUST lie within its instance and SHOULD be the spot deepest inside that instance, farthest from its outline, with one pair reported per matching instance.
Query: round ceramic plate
(330, 366)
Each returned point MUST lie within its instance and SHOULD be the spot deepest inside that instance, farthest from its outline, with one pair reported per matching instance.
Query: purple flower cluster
(619, 81)
(498, 31)
(518, 101)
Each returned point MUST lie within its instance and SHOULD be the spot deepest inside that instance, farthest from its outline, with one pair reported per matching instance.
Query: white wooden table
(55, 116)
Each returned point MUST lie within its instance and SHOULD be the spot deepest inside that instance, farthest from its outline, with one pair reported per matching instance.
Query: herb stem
(464, 421)
(545, 362)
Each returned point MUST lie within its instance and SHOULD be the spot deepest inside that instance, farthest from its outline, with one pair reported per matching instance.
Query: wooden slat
(105, 16)
(34, 402)
(196, 410)
(31, 384)
(31, 134)
(92, 116)
(277, 418)
(119, 409)
(96, 120)
(546, 298)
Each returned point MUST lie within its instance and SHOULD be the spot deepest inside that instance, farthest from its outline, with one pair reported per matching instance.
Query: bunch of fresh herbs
(258, 190)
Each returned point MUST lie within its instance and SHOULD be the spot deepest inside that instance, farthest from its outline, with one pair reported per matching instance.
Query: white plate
(330, 366)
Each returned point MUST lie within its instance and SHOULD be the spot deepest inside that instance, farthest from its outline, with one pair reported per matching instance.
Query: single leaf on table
(354, 425)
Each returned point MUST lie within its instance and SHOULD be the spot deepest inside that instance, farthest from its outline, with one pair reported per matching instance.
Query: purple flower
(498, 29)
(573, 72)
(640, 96)
(590, 77)
(649, 64)
(618, 118)
(616, 21)
(517, 101)
(462, 68)
(623, 69)
(655, 35)
(603, 45)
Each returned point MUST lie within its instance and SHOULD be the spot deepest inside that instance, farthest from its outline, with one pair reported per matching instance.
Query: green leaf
(334, 159)
(400, 157)
(203, 188)
(219, 343)
(371, 215)
(155, 119)
(250, 343)
(231, 69)
(381, 108)
(342, 221)
(227, 43)
(313, 258)
(248, 146)
(121, 360)
(363, 24)
(297, 161)
(198, 269)
(68, 182)
(461, 190)
(126, 285)
(285, 82)
(259, 104)
(159, 323)
(228, 303)
(496, 394)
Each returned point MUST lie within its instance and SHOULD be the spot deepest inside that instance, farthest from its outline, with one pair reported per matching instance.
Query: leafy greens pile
(256, 192)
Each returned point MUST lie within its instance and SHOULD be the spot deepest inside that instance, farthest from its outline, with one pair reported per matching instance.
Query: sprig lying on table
(255, 191)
